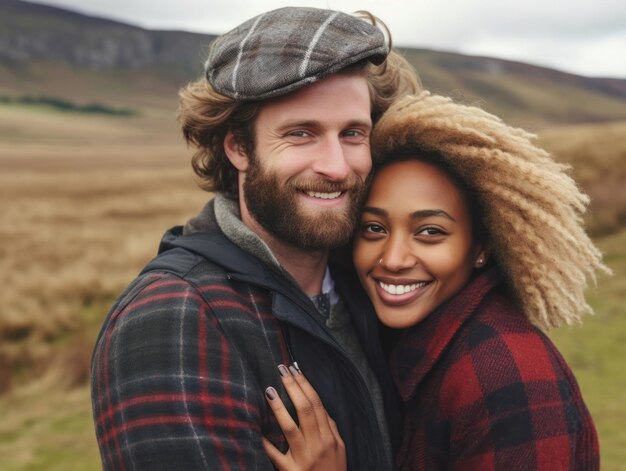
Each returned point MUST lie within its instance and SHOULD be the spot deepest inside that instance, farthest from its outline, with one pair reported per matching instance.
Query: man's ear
(235, 154)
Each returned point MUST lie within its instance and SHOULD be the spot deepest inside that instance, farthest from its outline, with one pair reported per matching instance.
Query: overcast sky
(586, 37)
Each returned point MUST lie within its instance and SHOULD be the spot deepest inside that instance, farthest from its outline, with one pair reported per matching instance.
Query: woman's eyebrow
(376, 211)
(424, 213)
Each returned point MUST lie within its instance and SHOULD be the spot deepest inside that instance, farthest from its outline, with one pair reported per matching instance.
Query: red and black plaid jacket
(484, 389)
(183, 359)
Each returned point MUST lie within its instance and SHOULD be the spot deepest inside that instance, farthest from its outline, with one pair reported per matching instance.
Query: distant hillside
(50, 51)
(31, 32)
(55, 52)
(521, 92)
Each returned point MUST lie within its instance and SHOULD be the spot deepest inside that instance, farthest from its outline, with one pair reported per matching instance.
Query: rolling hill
(55, 52)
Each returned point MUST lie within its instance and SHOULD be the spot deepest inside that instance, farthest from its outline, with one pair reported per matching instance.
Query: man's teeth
(324, 196)
(401, 289)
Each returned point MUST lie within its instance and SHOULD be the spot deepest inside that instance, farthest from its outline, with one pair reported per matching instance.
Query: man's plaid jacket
(184, 356)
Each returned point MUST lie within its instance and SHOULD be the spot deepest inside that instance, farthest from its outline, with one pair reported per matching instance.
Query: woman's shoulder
(505, 348)
(506, 386)
(498, 314)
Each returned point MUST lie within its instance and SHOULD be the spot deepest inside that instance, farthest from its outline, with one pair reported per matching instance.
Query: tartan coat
(184, 356)
(484, 389)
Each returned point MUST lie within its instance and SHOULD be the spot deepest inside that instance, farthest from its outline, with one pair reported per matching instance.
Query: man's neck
(307, 267)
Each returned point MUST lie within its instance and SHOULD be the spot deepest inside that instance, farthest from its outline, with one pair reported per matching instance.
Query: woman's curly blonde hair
(532, 209)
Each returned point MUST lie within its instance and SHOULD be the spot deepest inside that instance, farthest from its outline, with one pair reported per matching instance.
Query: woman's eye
(373, 228)
(430, 231)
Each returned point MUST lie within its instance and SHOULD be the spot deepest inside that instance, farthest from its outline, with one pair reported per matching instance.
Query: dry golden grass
(597, 154)
(83, 203)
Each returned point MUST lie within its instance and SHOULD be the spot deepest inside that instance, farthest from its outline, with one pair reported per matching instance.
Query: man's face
(307, 178)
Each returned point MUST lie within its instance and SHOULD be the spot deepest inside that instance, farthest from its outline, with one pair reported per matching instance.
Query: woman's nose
(398, 255)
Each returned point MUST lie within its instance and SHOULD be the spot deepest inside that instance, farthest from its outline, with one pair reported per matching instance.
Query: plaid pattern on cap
(285, 49)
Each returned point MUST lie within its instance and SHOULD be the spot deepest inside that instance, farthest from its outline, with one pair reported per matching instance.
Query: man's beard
(275, 207)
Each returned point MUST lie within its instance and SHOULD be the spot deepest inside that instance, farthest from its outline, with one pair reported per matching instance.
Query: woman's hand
(316, 444)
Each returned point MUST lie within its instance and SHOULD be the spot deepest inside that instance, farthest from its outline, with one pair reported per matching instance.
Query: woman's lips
(399, 291)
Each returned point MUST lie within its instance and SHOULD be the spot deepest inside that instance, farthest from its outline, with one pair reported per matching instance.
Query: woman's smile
(400, 291)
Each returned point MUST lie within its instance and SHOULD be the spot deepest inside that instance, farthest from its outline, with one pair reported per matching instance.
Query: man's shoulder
(181, 253)
(182, 263)
(206, 268)
(153, 291)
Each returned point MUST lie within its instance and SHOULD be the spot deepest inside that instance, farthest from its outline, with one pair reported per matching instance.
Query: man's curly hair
(531, 208)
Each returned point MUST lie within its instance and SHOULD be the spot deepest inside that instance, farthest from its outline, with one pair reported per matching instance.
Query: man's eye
(353, 133)
(297, 133)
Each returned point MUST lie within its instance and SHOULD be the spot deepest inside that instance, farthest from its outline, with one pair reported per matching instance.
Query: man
(282, 124)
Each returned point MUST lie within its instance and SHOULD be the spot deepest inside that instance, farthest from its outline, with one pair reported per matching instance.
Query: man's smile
(324, 196)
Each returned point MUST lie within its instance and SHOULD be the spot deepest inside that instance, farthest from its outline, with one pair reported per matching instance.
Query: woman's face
(414, 249)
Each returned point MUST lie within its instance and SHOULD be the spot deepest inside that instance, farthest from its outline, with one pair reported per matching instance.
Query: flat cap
(282, 50)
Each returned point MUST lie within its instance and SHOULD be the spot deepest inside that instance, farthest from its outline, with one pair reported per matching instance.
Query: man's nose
(331, 161)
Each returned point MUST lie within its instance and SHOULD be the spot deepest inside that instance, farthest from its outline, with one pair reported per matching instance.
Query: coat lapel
(422, 345)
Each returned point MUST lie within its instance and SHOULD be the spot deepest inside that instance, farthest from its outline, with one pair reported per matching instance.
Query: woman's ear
(481, 257)
(235, 154)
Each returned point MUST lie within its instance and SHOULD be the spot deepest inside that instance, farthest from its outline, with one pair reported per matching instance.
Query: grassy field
(81, 214)
(596, 351)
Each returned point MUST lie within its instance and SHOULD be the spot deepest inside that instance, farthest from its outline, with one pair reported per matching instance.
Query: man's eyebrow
(422, 213)
(294, 123)
(360, 123)
(309, 123)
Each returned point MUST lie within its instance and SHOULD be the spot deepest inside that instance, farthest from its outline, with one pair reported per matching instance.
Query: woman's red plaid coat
(484, 389)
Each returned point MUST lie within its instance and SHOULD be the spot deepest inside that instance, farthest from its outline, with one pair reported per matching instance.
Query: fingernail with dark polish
(271, 393)
(284, 372)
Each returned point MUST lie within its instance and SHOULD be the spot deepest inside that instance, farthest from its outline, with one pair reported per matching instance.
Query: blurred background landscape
(93, 169)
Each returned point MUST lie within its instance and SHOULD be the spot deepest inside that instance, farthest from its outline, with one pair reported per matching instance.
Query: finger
(280, 461)
(304, 408)
(340, 447)
(318, 407)
(335, 431)
(285, 421)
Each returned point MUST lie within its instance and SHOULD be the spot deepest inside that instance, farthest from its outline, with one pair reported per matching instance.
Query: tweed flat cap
(282, 50)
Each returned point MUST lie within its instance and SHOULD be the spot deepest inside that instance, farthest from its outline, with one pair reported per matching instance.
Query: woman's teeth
(401, 289)
(324, 196)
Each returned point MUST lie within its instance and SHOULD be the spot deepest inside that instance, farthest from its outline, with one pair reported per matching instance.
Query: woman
(471, 243)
